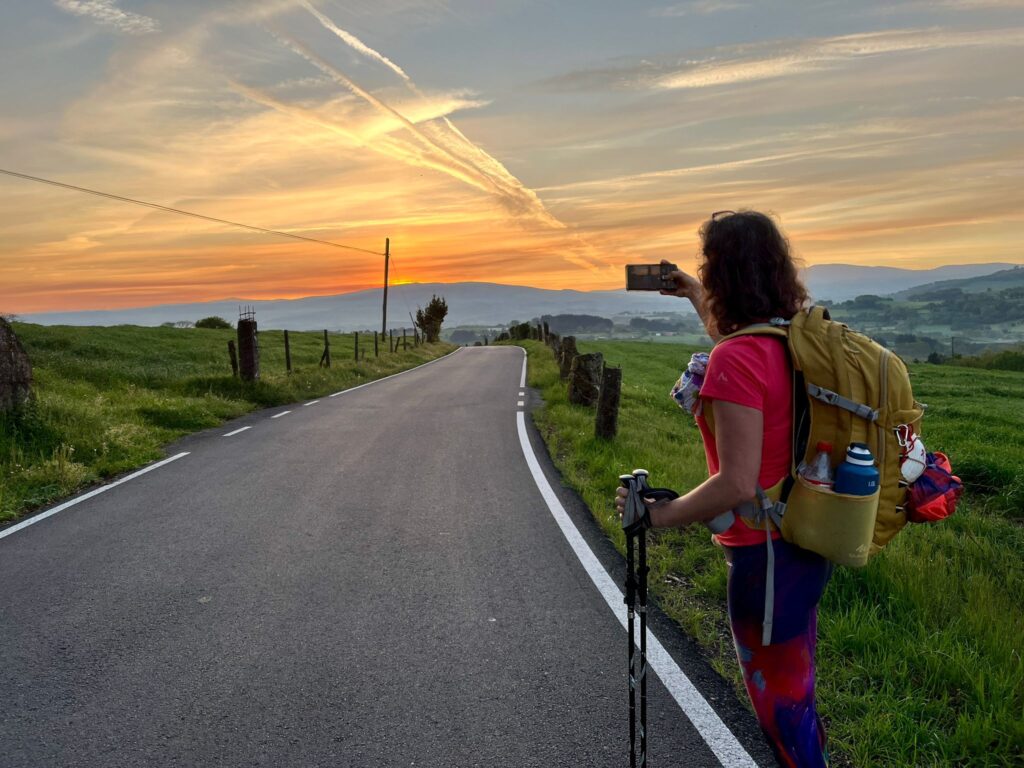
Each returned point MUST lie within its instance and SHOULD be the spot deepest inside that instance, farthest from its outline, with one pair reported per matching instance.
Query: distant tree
(213, 322)
(429, 320)
(569, 324)
(464, 337)
(936, 359)
(519, 331)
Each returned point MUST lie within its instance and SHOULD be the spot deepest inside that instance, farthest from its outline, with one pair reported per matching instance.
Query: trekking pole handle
(719, 524)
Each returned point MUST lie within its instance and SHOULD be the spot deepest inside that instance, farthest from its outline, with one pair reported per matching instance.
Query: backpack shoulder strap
(774, 327)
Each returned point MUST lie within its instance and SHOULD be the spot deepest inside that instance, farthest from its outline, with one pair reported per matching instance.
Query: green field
(920, 654)
(109, 399)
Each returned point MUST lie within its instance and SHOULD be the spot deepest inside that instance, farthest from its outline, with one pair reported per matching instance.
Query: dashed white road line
(400, 373)
(722, 742)
(522, 376)
(103, 489)
(89, 495)
(521, 394)
(279, 415)
(520, 403)
(311, 402)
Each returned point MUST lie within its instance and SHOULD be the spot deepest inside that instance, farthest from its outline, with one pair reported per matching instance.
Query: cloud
(811, 55)
(727, 65)
(450, 143)
(106, 12)
(700, 8)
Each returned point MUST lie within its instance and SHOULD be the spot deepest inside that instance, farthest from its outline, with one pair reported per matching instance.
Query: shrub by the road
(920, 657)
(213, 322)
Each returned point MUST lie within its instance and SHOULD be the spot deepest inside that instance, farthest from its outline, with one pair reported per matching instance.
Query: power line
(179, 211)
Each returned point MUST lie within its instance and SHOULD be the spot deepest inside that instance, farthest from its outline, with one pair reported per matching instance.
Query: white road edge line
(89, 495)
(279, 415)
(715, 733)
(522, 377)
(393, 375)
(232, 434)
(311, 402)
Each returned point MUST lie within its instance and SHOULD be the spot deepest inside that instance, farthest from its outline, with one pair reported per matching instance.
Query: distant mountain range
(495, 304)
(468, 304)
(839, 282)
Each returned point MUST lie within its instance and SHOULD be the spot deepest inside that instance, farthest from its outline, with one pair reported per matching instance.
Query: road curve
(370, 580)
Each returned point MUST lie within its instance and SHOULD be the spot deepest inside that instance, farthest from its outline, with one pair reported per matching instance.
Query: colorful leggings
(780, 677)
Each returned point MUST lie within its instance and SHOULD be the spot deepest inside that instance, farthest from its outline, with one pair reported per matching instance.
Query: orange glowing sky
(502, 141)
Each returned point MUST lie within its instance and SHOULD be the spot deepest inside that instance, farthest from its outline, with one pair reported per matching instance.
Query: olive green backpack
(846, 388)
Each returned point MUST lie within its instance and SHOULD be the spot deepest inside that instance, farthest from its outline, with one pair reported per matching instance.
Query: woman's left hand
(620, 500)
(651, 504)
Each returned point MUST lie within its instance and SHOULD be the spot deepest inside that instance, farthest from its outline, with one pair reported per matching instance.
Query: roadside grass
(108, 399)
(919, 657)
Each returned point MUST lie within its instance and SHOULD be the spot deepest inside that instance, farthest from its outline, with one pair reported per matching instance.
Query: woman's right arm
(688, 287)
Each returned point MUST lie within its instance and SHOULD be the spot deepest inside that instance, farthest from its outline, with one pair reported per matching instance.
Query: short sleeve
(736, 373)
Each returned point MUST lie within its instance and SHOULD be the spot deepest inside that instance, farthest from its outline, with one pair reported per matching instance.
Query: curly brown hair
(748, 273)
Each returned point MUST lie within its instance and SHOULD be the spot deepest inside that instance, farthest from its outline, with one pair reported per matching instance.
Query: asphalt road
(370, 580)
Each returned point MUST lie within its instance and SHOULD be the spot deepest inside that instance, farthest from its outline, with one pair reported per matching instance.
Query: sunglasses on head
(721, 215)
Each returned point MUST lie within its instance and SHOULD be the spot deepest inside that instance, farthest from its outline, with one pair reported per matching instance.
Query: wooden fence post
(391, 341)
(248, 348)
(356, 346)
(607, 421)
(234, 358)
(405, 346)
(287, 354)
(585, 379)
(376, 349)
(568, 352)
(325, 358)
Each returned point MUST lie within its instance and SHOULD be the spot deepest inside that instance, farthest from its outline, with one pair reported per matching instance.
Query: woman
(748, 276)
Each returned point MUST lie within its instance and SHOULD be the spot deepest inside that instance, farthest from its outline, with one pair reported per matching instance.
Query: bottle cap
(824, 445)
(859, 454)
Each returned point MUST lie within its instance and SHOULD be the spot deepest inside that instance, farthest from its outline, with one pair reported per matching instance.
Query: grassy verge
(920, 652)
(108, 399)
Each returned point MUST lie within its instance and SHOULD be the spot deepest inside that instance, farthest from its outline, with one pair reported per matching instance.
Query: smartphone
(650, 277)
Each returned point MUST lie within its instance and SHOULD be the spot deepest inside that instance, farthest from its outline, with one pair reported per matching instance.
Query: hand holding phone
(651, 277)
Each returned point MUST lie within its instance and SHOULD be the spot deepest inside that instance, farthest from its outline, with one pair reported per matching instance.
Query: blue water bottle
(857, 476)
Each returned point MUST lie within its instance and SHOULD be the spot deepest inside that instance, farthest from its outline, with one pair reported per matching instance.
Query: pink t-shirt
(753, 371)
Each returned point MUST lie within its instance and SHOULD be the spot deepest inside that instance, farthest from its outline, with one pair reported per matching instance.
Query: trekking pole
(641, 476)
(628, 517)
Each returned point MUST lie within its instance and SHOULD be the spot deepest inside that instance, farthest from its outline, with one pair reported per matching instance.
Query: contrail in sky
(385, 145)
(516, 200)
(356, 43)
(450, 140)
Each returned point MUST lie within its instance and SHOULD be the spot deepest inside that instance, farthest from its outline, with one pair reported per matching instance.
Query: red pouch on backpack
(933, 496)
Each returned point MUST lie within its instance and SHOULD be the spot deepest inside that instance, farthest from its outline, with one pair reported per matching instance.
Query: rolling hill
(997, 281)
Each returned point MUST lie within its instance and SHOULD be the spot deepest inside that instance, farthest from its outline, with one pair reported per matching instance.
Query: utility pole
(387, 259)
